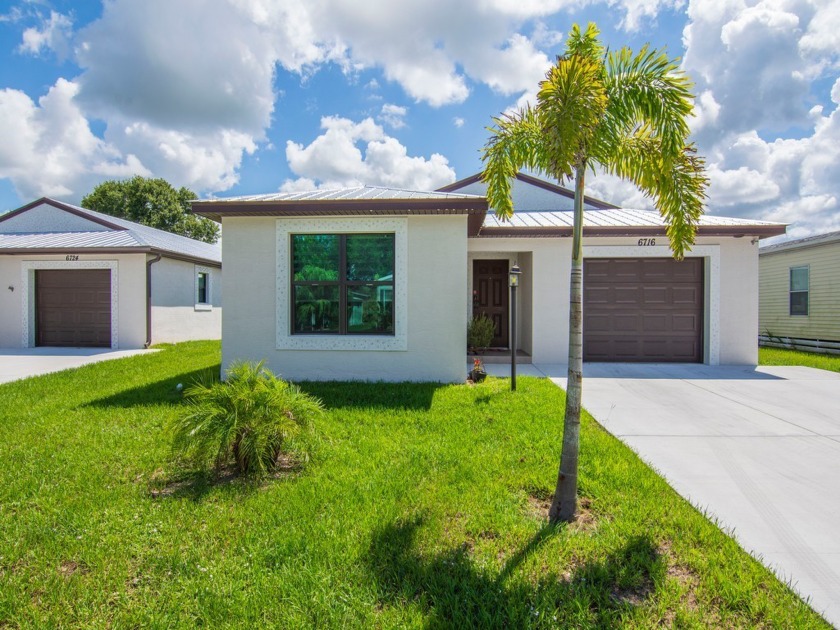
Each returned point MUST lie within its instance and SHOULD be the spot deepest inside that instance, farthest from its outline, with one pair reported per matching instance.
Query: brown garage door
(73, 307)
(643, 310)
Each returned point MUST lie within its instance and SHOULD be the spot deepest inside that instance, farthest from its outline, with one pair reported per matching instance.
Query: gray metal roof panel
(357, 192)
(808, 241)
(144, 235)
(624, 217)
(69, 240)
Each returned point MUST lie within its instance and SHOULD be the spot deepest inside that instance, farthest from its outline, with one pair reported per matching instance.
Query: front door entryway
(490, 296)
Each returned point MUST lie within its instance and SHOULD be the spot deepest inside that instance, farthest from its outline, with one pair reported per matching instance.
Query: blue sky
(234, 97)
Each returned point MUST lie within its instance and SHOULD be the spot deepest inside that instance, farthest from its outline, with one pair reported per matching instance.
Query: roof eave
(761, 231)
(474, 208)
(45, 251)
(798, 245)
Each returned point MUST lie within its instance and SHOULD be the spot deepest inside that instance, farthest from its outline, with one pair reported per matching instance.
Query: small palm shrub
(247, 420)
(480, 332)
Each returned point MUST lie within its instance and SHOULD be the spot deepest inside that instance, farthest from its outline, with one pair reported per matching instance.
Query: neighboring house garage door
(73, 307)
(643, 310)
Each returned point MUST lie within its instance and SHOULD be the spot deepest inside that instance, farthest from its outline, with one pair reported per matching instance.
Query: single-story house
(799, 292)
(74, 277)
(378, 283)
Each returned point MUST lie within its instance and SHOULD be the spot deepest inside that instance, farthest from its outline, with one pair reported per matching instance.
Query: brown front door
(73, 307)
(643, 310)
(490, 296)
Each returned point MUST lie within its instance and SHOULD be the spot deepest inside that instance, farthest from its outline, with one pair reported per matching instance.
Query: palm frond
(648, 88)
(247, 420)
(586, 44)
(514, 144)
(572, 101)
(677, 185)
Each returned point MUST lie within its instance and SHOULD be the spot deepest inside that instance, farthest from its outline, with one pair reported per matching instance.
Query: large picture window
(799, 287)
(342, 284)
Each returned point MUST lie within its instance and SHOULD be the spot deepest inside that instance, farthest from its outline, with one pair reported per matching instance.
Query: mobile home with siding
(799, 292)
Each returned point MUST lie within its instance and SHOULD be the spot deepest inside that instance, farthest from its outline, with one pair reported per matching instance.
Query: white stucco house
(70, 276)
(379, 284)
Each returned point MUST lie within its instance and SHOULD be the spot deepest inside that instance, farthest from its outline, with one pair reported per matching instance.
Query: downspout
(149, 264)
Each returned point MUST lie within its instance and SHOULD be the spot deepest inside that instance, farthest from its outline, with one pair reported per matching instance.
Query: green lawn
(780, 356)
(420, 506)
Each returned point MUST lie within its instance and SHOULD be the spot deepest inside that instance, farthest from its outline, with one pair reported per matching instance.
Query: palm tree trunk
(564, 504)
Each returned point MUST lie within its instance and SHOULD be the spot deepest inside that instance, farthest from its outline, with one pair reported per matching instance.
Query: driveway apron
(756, 448)
(18, 363)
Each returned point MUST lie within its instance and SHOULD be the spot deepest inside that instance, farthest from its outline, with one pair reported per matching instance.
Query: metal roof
(566, 194)
(122, 234)
(603, 219)
(623, 217)
(70, 240)
(380, 193)
(616, 222)
(808, 241)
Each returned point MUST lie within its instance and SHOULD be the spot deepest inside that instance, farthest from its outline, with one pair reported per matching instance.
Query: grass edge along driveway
(421, 505)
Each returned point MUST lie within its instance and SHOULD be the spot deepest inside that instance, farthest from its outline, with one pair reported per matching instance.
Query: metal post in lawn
(514, 282)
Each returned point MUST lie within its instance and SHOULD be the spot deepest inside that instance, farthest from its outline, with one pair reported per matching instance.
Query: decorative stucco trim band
(27, 298)
(712, 308)
(287, 341)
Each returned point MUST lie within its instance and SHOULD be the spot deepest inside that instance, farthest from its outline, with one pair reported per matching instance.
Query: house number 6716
(647, 241)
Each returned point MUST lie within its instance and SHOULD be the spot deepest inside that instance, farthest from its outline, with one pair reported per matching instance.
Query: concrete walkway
(18, 363)
(757, 448)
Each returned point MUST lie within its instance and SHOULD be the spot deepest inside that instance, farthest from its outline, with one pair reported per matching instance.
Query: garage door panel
(625, 348)
(73, 307)
(597, 295)
(655, 323)
(686, 295)
(687, 322)
(626, 295)
(655, 295)
(597, 323)
(655, 270)
(599, 269)
(622, 322)
(643, 310)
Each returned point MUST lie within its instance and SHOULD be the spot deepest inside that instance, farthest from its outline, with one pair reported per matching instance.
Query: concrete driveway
(18, 363)
(757, 448)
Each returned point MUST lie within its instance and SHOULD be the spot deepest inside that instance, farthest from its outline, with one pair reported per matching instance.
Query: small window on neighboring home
(203, 288)
(799, 282)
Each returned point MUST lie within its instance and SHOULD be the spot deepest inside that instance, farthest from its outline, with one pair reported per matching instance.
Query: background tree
(152, 202)
(625, 113)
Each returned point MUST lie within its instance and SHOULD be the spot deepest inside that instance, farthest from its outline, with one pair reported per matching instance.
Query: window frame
(343, 284)
(792, 291)
(208, 288)
(284, 227)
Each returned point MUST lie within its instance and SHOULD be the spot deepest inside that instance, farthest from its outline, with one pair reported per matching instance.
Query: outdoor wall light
(514, 274)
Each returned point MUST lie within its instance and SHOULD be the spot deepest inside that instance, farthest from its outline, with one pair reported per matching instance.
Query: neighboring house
(800, 292)
(378, 284)
(74, 277)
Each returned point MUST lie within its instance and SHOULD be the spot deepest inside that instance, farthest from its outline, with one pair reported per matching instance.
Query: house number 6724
(647, 241)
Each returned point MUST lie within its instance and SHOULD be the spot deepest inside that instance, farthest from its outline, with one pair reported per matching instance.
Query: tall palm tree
(627, 114)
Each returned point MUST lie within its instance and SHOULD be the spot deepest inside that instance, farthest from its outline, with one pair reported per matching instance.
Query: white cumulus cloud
(53, 33)
(393, 115)
(49, 149)
(354, 154)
